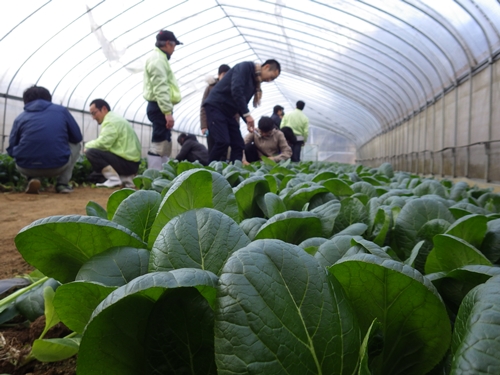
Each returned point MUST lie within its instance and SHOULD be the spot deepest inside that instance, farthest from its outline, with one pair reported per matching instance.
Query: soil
(18, 210)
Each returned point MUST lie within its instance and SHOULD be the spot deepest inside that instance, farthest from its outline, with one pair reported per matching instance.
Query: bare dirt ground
(18, 210)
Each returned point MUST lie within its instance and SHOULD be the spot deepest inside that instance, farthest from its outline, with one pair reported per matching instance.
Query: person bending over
(266, 141)
(191, 149)
(116, 153)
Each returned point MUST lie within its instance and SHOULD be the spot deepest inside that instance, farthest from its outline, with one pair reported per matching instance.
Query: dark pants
(157, 117)
(251, 152)
(225, 131)
(101, 159)
(296, 148)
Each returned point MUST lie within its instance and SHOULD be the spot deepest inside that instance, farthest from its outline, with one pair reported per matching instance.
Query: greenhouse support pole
(455, 135)
(469, 124)
(425, 136)
(442, 136)
(434, 103)
(490, 122)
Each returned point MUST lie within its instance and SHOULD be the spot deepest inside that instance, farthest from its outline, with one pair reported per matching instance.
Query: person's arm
(74, 132)
(203, 114)
(284, 121)
(185, 150)
(285, 150)
(242, 74)
(106, 139)
(305, 129)
(158, 74)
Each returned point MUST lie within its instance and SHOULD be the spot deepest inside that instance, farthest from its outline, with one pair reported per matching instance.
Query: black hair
(181, 138)
(224, 68)
(273, 64)
(99, 103)
(266, 124)
(300, 105)
(289, 135)
(36, 92)
(277, 108)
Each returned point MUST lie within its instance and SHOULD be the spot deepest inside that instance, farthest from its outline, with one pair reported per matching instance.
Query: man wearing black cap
(223, 69)
(162, 93)
(277, 115)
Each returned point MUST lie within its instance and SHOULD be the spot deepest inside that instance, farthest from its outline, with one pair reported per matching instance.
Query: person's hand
(245, 162)
(170, 121)
(250, 123)
(204, 131)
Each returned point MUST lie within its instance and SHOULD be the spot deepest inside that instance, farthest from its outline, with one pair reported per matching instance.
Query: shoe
(33, 186)
(128, 181)
(64, 189)
(113, 180)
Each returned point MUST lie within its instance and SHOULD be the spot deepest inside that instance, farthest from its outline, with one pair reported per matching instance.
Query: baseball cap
(167, 35)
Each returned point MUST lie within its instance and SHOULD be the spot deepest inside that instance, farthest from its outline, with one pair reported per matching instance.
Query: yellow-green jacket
(159, 83)
(117, 137)
(298, 122)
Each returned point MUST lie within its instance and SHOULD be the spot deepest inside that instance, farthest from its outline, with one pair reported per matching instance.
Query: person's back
(299, 123)
(41, 135)
(191, 149)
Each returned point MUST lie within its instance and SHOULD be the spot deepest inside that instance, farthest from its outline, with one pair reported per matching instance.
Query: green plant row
(308, 268)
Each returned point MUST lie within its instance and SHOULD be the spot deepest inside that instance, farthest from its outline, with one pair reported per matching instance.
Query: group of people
(46, 140)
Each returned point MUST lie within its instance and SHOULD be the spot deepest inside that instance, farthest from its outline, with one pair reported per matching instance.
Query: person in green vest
(116, 153)
(299, 123)
(161, 91)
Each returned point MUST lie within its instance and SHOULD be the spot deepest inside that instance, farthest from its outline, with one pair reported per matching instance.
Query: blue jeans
(225, 131)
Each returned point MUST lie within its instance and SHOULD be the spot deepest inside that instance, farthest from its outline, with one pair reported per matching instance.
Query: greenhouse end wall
(456, 136)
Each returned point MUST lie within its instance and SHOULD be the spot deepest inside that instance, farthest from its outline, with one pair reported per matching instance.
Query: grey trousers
(63, 173)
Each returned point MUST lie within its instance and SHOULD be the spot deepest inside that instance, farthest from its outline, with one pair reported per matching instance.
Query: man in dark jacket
(278, 112)
(44, 141)
(191, 149)
(230, 97)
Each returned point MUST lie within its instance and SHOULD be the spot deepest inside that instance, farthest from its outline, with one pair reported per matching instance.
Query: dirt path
(18, 210)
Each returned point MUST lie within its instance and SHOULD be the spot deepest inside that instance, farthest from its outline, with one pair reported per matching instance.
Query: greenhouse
(377, 253)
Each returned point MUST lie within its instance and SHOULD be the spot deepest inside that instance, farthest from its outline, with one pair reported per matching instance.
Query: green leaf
(196, 188)
(292, 227)
(430, 187)
(76, 301)
(115, 267)
(337, 187)
(246, 195)
(274, 204)
(356, 229)
(59, 245)
(324, 176)
(95, 209)
(371, 347)
(451, 252)
(138, 211)
(251, 226)
(386, 169)
(51, 317)
(332, 250)
(296, 200)
(413, 318)
(327, 212)
(370, 247)
(298, 320)
(365, 188)
(470, 228)
(352, 211)
(413, 216)
(475, 345)
(491, 241)
(54, 350)
(153, 324)
(203, 239)
(311, 245)
(115, 199)
(463, 209)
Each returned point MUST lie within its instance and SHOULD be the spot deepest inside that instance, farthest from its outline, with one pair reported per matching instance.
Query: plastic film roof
(361, 66)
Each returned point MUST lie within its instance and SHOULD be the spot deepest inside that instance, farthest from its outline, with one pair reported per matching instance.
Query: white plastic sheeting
(362, 67)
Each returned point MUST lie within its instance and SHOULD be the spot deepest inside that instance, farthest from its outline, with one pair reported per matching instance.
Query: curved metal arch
(20, 23)
(486, 37)
(445, 54)
(397, 52)
(436, 70)
(431, 13)
(62, 54)
(364, 72)
(480, 10)
(382, 104)
(29, 57)
(358, 61)
(149, 50)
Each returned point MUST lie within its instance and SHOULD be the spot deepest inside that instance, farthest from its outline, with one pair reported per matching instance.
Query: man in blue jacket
(230, 97)
(44, 141)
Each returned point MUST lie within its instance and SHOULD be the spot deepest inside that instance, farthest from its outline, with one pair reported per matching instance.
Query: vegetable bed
(309, 268)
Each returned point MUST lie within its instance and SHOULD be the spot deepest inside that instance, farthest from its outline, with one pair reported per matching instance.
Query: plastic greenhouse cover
(360, 66)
